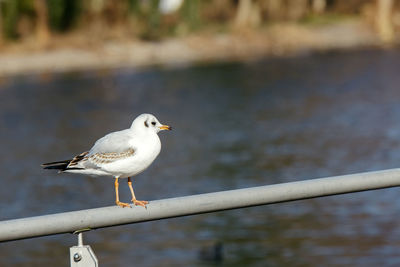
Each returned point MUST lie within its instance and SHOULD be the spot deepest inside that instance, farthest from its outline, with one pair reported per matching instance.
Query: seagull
(120, 154)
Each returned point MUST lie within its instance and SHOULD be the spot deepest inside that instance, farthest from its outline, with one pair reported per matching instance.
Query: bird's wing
(94, 161)
(110, 157)
(116, 142)
(110, 148)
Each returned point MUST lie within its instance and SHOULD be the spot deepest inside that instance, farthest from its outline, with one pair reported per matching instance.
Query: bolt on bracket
(82, 255)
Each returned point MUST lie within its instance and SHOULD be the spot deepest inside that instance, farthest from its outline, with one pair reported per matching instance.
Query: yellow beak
(165, 127)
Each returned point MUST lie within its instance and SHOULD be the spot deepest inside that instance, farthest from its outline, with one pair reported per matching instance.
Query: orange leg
(119, 203)
(142, 203)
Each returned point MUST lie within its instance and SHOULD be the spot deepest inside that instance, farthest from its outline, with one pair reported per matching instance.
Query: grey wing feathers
(115, 142)
(112, 147)
(109, 157)
(86, 161)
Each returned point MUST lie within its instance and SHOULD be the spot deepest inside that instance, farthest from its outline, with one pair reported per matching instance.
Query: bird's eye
(153, 123)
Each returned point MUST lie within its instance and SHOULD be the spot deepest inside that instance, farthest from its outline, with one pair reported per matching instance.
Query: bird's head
(148, 122)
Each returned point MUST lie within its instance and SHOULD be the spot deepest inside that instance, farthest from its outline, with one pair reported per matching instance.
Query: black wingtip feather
(58, 165)
(63, 165)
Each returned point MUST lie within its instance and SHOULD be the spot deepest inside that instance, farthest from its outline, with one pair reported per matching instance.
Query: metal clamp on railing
(82, 255)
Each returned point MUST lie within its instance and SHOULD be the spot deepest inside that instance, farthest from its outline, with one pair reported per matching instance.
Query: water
(235, 125)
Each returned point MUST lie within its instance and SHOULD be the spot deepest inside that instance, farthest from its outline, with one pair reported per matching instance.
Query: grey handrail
(68, 222)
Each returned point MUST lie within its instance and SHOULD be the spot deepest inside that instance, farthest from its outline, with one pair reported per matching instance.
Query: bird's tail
(57, 165)
(69, 164)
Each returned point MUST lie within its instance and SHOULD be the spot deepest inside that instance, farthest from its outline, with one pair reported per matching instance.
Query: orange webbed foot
(122, 204)
(142, 203)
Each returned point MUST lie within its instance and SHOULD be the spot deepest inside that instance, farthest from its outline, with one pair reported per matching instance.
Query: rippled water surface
(235, 126)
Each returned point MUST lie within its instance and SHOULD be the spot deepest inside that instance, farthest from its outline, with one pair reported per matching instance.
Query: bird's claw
(142, 203)
(122, 204)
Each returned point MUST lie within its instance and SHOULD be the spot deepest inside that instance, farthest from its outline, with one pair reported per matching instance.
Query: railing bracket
(82, 255)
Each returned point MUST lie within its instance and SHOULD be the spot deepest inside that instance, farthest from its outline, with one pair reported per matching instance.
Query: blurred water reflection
(235, 125)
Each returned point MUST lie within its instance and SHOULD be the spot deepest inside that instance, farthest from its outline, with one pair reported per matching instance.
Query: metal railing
(83, 220)
(69, 222)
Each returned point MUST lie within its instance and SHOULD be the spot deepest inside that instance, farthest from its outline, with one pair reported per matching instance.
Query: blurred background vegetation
(43, 20)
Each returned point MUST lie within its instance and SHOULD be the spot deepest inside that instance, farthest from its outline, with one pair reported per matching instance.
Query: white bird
(121, 154)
